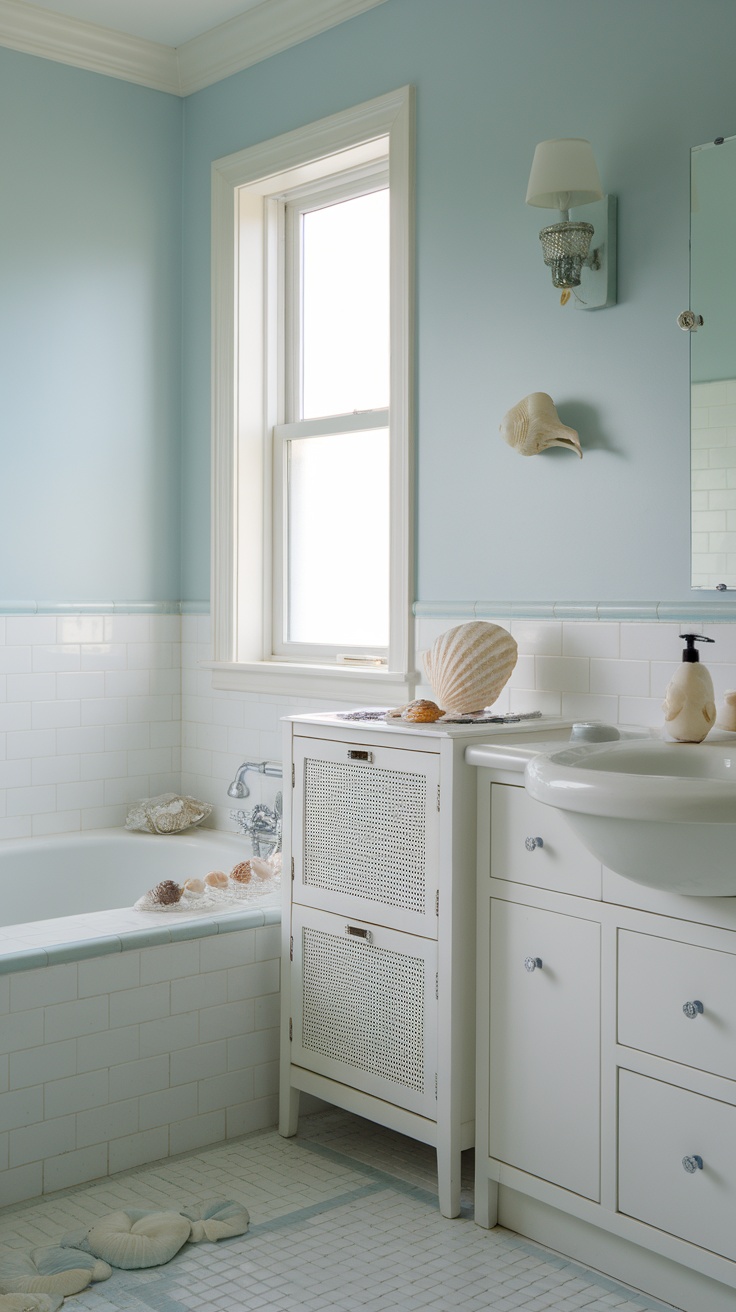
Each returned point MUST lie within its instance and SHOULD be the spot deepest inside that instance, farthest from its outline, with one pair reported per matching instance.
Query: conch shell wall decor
(470, 665)
(534, 425)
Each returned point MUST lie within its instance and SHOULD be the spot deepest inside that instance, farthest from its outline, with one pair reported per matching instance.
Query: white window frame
(248, 396)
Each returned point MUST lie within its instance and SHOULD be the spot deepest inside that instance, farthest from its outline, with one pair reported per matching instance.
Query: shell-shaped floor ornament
(534, 425)
(470, 665)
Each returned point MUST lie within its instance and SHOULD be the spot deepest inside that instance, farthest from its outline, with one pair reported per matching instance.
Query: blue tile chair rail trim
(99, 607)
(708, 608)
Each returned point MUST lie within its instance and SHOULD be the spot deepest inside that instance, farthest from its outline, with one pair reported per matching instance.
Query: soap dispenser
(689, 703)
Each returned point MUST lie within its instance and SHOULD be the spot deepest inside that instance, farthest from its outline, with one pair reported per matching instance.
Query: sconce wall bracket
(598, 277)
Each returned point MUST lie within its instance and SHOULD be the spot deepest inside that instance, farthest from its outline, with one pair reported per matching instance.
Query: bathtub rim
(150, 933)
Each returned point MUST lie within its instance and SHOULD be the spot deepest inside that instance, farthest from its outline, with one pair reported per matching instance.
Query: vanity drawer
(660, 1126)
(560, 863)
(657, 977)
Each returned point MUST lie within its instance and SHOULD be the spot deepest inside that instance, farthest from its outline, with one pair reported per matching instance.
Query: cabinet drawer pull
(531, 843)
(357, 931)
(693, 1009)
(359, 754)
(532, 963)
(692, 1164)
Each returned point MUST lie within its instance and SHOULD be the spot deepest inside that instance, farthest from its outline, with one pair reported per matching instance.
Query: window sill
(366, 686)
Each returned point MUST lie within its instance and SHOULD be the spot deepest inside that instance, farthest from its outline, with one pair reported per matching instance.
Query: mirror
(713, 364)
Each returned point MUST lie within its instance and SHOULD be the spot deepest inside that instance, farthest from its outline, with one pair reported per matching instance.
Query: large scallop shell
(534, 425)
(470, 665)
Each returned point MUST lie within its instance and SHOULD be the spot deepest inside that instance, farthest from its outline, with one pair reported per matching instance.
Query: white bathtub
(104, 870)
(126, 1036)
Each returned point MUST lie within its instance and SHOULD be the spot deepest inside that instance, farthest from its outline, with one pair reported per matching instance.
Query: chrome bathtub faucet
(262, 824)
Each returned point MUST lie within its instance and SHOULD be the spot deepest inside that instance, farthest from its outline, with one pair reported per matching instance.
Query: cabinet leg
(486, 1203)
(288, 1111)
(448, 1180)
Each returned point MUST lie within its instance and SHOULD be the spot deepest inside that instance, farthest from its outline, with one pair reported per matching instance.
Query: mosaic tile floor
(344, 1217)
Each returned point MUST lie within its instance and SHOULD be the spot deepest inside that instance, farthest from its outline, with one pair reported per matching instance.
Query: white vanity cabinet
(606, 1058)
(378, 962)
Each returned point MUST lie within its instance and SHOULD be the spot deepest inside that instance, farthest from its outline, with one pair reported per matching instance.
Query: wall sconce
(564, 175)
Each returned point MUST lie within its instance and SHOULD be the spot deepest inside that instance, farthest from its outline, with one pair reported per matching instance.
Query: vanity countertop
(514, 755)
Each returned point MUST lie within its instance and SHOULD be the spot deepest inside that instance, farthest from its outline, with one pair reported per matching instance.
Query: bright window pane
(345, 308)
(339, 539)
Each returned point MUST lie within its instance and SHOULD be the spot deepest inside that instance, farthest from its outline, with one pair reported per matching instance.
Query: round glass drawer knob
(692, 1164)
(531, 843)
(693, 1009)
(532, 963)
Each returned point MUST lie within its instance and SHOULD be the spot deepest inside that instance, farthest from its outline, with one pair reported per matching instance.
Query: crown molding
(270, 27)
(50, 35)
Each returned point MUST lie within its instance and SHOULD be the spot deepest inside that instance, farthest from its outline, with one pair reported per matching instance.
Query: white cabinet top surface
(547, 726)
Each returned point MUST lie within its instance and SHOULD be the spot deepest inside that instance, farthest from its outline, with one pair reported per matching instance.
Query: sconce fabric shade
(564, 174)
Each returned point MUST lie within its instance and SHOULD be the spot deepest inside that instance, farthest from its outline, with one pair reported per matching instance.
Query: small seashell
(241, 873)
(469, 666)
(422, 711)
(194, 886)
(395, 713)
(534, 425)
(216, 879)
(260, 868)
(166, 893)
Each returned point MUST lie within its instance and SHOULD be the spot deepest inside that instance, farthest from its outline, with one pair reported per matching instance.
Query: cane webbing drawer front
(365, 833)
(365, 1008)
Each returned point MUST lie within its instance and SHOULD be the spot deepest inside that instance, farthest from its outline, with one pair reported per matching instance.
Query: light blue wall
(644, 80)
(90, 342)
(90, 310)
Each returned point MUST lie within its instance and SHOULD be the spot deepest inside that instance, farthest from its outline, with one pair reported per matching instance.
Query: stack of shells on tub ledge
(171, 814)
(246, 880)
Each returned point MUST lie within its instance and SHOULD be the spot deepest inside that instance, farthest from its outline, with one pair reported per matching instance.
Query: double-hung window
(331, 576)
(312, 468)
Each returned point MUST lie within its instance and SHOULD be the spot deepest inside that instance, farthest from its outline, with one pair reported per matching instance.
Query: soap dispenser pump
(689, 702)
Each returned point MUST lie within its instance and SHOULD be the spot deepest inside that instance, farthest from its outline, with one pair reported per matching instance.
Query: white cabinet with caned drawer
(379, 936)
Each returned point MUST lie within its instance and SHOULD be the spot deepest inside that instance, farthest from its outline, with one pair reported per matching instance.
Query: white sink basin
(662, 814)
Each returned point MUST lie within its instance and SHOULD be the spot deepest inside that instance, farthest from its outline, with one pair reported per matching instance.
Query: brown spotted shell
(166, 893)
(470, 665)
(422, 711)
(241, 873)
(216, 879)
